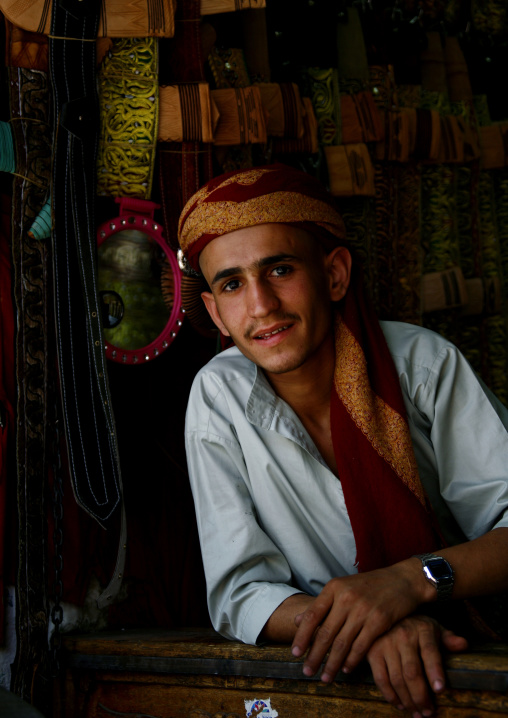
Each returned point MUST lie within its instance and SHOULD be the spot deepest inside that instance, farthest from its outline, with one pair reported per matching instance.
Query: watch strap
(443, 586)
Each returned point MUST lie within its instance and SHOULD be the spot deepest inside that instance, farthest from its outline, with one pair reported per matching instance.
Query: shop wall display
(398, 106)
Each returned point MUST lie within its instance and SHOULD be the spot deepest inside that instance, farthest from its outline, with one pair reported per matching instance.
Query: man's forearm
(281, 625)
(480, 566)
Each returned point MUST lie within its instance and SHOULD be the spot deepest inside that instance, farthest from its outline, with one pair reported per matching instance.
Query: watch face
(439, 568)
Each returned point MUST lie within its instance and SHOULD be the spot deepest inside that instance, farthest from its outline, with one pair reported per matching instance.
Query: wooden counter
(198, 674)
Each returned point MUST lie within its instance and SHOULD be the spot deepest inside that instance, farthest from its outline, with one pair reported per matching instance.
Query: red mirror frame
(138, 214)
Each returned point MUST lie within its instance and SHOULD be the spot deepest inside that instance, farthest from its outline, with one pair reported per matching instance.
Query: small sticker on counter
(260, 708)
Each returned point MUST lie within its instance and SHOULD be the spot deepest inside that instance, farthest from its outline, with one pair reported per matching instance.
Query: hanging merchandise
(242, 122)
(7, 159)
(183, 166)
(90, 427)
(308, 142)
(41, 227)
(324, 87)
(211, 7)
(494, 143)
(148, 18)
(129, 109)
(7, 396)
(283, 108)
(26, 49)
(138, 283)
(228, 67)
(187, 113)
(241, 116)
(29, 94)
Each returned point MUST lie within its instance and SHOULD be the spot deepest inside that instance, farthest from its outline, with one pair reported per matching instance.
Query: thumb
(452, 642)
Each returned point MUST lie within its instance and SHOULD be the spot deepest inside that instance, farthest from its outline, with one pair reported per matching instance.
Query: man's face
(272, 287)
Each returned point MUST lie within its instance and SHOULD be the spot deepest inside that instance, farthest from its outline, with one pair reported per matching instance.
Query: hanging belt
(34, 356)
(88, 416)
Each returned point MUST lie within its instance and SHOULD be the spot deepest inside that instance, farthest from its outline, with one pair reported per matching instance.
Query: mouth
(267, 335)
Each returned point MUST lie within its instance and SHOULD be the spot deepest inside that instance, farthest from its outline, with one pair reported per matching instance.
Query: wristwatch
(439, 573)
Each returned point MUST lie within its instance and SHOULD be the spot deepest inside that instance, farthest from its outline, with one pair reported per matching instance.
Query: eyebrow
(258, 264)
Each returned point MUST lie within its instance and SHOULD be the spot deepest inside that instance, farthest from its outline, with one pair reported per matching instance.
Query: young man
(345, 474)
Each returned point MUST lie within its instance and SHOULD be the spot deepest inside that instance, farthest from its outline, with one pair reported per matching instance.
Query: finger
(397, 681)
(298, 619)
(452, 642)
(413, 670)
(432, 658)
(330, 636)
(381, 678)
(339, 649)
(373, 627)
(337, 634)
(310, 620)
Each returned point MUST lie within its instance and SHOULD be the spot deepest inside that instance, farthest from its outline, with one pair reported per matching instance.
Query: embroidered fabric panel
(385, 429)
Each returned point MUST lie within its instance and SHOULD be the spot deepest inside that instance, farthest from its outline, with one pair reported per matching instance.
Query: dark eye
(231, 285)
(281, 270)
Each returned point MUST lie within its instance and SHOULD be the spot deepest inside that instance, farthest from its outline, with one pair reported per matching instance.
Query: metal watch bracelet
(442, 577)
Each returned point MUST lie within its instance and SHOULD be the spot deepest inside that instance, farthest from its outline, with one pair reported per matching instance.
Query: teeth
(276, 331)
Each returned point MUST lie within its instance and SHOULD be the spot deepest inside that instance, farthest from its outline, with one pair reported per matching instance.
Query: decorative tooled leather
(228, 67)
(35, 357)
(26, 49)
(324, 88)
(129, 107)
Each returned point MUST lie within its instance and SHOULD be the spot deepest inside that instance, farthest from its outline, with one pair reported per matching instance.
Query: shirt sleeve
(468, 432)
(247, 576)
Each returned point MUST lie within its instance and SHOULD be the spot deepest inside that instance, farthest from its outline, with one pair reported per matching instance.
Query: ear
(338, 263)
(211, 307)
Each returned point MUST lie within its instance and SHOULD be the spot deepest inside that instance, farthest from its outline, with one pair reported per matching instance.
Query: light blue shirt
(271, 515)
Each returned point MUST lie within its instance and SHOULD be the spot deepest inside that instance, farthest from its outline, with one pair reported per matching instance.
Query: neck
(307, 389)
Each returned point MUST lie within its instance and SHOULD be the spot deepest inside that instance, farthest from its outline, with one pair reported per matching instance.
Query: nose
(261, 299)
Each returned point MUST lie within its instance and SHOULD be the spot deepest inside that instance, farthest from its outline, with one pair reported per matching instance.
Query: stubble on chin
(278, 365)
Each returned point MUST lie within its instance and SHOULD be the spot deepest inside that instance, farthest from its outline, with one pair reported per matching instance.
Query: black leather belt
(88, 416)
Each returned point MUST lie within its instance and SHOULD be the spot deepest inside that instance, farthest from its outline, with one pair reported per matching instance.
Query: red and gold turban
(245, 198)
(372, 444)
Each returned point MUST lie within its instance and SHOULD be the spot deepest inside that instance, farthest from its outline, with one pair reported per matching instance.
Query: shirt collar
(268, 411)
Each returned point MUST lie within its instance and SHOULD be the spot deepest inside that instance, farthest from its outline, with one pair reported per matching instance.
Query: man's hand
(405, 658)
(351, 612)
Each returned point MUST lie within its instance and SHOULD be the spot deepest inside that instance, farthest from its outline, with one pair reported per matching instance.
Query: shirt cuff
(260, 610)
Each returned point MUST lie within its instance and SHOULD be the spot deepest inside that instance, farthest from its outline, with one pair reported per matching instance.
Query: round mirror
(139, 284)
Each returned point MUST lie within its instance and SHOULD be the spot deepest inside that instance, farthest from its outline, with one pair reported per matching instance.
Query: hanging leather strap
(88, 416)
(34, 358)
